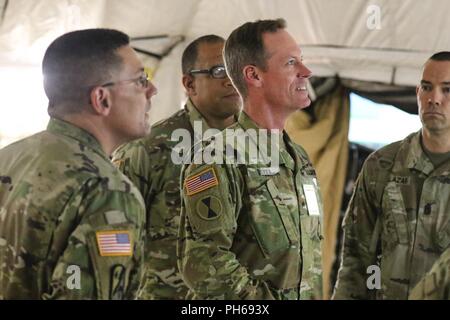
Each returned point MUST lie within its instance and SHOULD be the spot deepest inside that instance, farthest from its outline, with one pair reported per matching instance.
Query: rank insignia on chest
(201, 181)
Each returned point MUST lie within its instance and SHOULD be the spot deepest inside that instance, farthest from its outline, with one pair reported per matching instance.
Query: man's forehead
(282, 43)
(130, 60)
(207, 52)
(436, 71)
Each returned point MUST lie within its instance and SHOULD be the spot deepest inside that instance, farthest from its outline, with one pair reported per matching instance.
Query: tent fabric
(402, 97)
(368, 40)
(326, 142)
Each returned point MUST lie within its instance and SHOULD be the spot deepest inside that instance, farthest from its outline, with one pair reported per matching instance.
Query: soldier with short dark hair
(399, 216)
(251, 222)
(71, 224)
(149, 163)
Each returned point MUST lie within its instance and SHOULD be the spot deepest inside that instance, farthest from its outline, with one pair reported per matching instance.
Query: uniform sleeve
(435, 285)
(212, 198)
(103, 256)
(358, 225)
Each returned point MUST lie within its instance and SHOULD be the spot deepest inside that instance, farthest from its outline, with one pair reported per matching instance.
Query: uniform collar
(67, 129)
(416, 158)
(195, 116)
(285, 158)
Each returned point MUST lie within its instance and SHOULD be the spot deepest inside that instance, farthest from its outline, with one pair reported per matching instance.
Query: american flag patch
(201, 181)
(114, 243)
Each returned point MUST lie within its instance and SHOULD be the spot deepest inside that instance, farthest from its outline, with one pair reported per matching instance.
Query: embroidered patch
(402, 180)
(114, 243)
(201, 181)
(209, 208)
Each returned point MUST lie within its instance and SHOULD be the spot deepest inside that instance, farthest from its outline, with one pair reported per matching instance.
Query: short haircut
(441, 56)
(77, 61)
(190, 54)
(245, 46)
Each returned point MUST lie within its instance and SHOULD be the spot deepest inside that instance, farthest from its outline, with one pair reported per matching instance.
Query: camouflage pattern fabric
(61, 201)
(413, 219)
(436, 283)
(147, 162)
(249, 234)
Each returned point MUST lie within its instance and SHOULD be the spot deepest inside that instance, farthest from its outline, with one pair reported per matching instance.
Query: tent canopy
(378, 41)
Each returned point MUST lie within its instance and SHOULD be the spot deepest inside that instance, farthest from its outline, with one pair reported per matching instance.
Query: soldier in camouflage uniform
(71, 224)
(213, 103)
(249, 231)
(399, 216)
(436, 283)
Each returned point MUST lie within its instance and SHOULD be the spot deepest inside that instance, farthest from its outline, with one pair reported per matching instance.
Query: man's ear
(189, 84)
(252, 76)
(100, 99)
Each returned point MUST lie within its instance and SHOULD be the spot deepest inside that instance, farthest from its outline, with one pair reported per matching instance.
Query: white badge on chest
(311, 199)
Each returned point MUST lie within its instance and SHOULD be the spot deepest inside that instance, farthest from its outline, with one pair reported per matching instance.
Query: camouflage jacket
(436, 283)
(398, 218)
(246, 231)
(148, 163)
(71, 224)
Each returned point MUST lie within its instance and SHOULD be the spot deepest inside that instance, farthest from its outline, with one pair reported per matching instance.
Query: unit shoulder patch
(209, 208)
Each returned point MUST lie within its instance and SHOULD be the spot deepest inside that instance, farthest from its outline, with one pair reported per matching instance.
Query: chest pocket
(310, 213)
(269, 215)
(439, 207)
(395, 223)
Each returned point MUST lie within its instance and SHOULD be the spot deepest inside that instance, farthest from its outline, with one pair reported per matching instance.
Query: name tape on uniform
(311, 199)
(114, 243)
(201, 181)
(271, 171)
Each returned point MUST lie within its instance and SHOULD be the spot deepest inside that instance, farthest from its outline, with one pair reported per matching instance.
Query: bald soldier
(71, 224)
(251, 229)
(398, 220)
(150, 162)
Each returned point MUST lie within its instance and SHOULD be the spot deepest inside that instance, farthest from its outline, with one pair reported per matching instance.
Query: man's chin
(304, 104)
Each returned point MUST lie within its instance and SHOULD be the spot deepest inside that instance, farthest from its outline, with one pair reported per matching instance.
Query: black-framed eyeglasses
(217, 72)
(142, 81)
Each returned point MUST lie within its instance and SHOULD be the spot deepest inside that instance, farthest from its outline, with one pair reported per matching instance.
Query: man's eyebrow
(425, 82)
(446, 83)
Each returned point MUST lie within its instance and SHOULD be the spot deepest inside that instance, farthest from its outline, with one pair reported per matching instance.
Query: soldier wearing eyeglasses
(71, 224)
(212, 103)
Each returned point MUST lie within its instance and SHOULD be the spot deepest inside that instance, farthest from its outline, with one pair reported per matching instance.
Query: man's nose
(435, 97)
(227, 82)
(151, 90)
(304, 72)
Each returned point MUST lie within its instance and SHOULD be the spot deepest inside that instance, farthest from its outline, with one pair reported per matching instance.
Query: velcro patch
(404, 180)
(201, 181)
(114, 243)
(209, 208)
